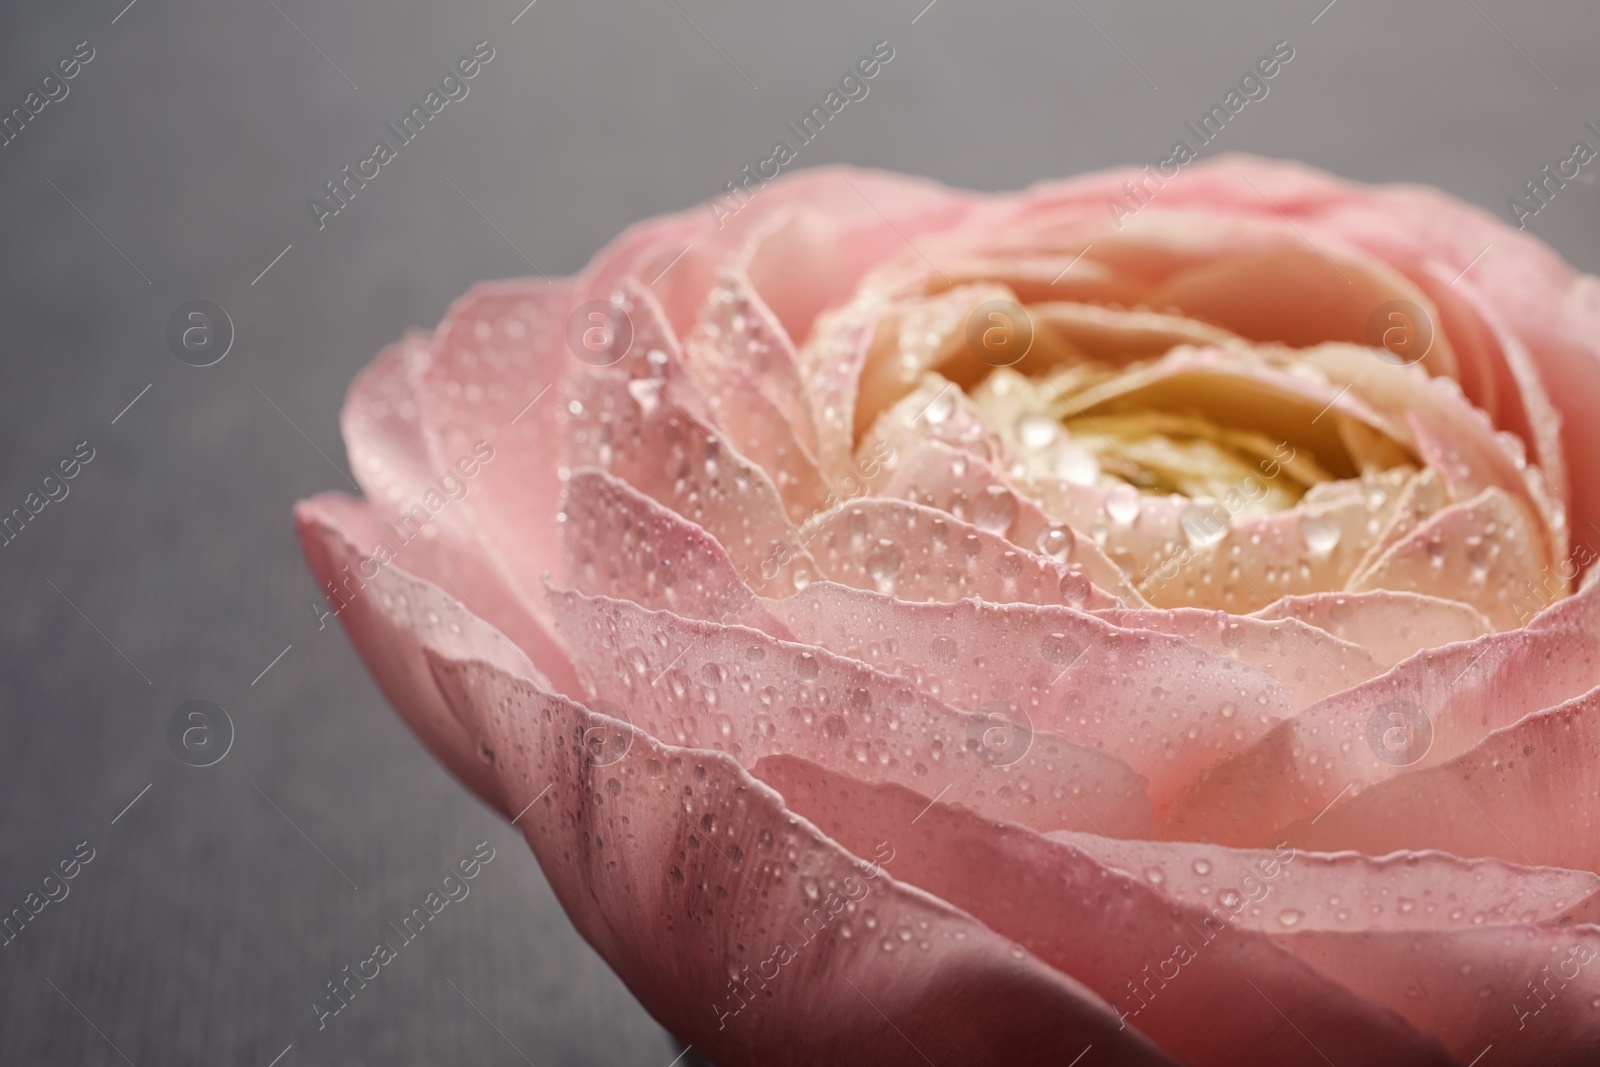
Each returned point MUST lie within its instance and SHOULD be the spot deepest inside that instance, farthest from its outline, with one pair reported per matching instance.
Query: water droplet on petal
(1056, 542)
(646, 392)
(883, 562)
(1122, 504)
(995, 509)
(1205, 524)
(1037, 431)
(1321, 534)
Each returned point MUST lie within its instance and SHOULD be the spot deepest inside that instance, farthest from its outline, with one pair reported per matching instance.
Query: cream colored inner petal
(1196, 433)
(1160, 452)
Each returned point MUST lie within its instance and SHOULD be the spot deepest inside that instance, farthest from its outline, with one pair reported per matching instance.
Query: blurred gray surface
(180, 164)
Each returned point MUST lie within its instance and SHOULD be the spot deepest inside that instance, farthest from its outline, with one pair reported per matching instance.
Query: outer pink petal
(741, 691)
(1235, 998)
(1524, 995)
(687, 875)
(863, 215)
(835, 225)
(622, 544)
(1155, 701)
(390, 618)
(1524, 793)
(1290, 890)
(1307, 661)
(1392, 626)
(920, 553)
(494, 380)
(413, 518)
(1450, 697)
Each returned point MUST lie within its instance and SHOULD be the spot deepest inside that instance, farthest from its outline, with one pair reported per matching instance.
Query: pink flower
(911, 625)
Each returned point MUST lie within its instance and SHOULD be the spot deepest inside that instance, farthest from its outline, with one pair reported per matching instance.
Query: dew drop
(1122, 504)
(1205, 525)
(1321, 534)
(646, 392)
(883, 562)
(1037, 431)
(995, 509)
(1056, 542)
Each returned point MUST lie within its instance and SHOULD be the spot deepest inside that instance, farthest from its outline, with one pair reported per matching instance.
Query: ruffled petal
(1171, 969)
(1524, 793)
(935, 475)
(624, 545)
(492, 385)
(1391, 626)
(390, 617)
(1101, 686)
(920, 553)
(1429, 709)
(633, 429)
(741, 926)
(1309, 662)
(1288, 890)
(712, 686)
(1480, 551)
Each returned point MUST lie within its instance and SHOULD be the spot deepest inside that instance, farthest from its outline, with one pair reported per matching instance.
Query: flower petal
(410, 516)
(1097, 685)
(1171, 970)
(707, 685)
(1524, 793)
(919, 553)
(1449, 434)
(742, 927)
(1529, 993)
(390, 617)
(1527, 410)
(1428, 709)
(1310, 663)
(935, 412)
(1289, 890)
(739, 350)
(1280, 288)
(1391, 626)
(1479, 551)
(622, 544)
(937, 476)
(870, 213)
(1423, 496)
(633, 429)
(1118, 336)
(494, 380)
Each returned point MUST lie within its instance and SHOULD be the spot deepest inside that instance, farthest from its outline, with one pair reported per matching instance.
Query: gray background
(207, 922)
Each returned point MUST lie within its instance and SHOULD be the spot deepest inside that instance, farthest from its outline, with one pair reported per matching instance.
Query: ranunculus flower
(918, 626)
